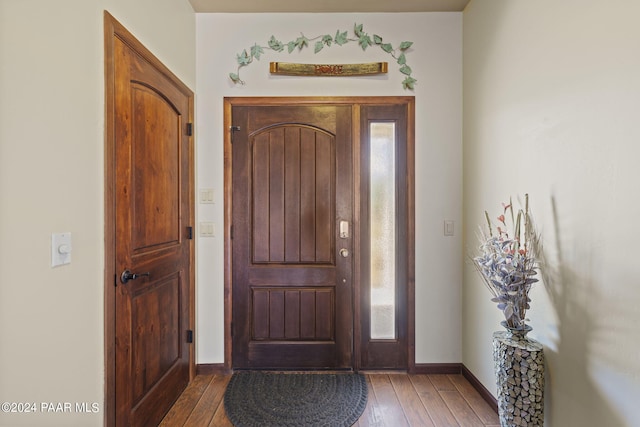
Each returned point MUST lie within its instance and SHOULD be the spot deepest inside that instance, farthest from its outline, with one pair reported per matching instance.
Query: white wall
(51, 180)
(551, 94)
(436, 58)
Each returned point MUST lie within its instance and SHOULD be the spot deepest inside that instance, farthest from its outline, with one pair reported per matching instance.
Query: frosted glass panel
(382, 228)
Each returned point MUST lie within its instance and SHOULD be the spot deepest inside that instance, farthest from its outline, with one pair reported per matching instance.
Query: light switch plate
(448, 228)
(206, 195)
(60, 249)
(206, 229)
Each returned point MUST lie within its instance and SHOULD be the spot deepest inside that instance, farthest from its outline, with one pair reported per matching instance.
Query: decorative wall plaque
(291, 69)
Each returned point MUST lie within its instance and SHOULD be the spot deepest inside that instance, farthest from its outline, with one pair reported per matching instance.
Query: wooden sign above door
(292, 69)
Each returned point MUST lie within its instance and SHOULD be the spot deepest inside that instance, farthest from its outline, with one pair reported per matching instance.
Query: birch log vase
(519, 368)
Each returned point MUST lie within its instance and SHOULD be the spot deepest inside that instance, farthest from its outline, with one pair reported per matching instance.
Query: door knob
(344, 252)
(128, 275)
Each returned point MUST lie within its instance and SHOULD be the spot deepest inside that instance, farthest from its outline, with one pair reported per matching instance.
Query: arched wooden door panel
(292, 295)
(148, 215)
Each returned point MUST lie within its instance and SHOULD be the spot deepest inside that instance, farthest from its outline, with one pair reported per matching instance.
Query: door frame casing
(409, 101)
(112, 30)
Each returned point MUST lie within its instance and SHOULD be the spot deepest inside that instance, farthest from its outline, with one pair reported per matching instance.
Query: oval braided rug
(295, 399)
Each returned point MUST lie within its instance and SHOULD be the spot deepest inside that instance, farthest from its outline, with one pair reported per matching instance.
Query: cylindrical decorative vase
(519, 367)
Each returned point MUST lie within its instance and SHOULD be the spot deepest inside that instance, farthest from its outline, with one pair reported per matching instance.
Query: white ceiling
(283, 6)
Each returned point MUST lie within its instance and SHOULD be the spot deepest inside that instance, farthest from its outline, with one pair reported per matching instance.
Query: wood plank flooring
(394, 400)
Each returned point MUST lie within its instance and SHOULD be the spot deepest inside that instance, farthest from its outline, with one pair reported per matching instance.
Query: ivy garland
(341, 38)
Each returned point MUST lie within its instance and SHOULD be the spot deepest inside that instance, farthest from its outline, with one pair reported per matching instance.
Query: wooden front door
(150, 168)
(292, 196)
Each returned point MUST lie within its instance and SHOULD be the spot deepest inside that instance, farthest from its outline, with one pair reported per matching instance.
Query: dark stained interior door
(152, 209)
(292, 303)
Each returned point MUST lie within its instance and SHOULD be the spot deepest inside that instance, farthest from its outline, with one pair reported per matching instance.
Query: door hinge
(190, 233)
(231, 232)
(190, 336)
(233, 130)
(232, 329)
(189, 129)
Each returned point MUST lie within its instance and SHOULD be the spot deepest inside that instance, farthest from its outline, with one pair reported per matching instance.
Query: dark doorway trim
(357, 102)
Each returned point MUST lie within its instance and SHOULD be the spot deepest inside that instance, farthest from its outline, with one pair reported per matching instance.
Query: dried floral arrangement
(508, 262)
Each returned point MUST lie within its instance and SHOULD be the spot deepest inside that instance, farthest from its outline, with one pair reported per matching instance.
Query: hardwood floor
(394, 400)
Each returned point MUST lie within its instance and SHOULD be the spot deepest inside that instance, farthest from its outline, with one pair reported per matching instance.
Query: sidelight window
(382, 211)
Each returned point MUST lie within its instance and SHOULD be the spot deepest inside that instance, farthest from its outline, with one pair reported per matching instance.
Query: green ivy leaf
(319, 46)
(405, 45)
(406, 70)
(234, 77)
(256, 51)
(377, 39)
(327, 39)
(276, 44)
(409, 83)
(341, 38)
(387, 47)
(301, 42)
(243, 58)
(365, 42)
(291, 46)
(357, 29)
(402, 59)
